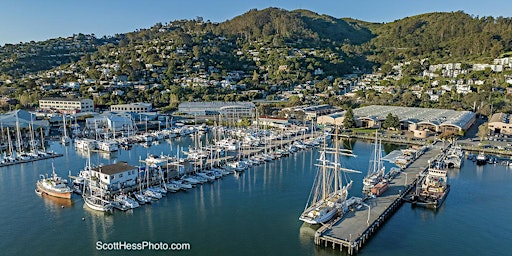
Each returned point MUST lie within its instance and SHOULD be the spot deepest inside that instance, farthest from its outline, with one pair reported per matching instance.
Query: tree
(483, 130)
(391, 122)
(349, 121)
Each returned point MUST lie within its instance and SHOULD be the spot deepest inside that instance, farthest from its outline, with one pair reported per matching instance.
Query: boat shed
(22, 119)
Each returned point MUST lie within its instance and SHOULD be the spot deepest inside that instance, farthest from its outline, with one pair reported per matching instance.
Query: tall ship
(376, 172)
(53, 186)
(93, 195)
(433, 188)
(329, 194)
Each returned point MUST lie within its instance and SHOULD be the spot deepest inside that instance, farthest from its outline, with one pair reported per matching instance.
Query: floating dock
(355, 227)
(31, 159)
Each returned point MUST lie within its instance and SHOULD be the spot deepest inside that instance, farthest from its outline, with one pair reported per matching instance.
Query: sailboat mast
(324, 173)
(336, 155)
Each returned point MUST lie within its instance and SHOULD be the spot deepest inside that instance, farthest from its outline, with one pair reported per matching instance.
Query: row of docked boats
(153, 180)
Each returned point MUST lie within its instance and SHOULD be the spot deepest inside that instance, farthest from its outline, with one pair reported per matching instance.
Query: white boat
(97, 203)
(182, 185)
(65, 139)
(85, 144)
(152, 194)
(328, 194)
(126, 201)
(142, 198)
(172, 187)
(205, 176)
(108, 145)
(481, 158)
(376, 169)
(190, 180)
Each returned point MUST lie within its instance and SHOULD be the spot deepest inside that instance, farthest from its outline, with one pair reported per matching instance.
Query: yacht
(481, 159)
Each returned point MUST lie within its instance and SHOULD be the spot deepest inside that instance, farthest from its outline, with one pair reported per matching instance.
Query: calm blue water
(255, 213)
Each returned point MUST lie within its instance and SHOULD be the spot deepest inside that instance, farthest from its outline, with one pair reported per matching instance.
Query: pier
(355, 227)
(53, 155)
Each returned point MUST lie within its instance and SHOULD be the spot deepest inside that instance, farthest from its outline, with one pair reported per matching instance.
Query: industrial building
(411, 118)
(500, 124)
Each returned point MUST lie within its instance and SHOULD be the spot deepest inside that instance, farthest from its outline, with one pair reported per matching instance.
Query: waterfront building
(313, 112)
(216, 108)
(411, 118)
(271, 121)
(500, 124)
(65, 105)
(110, 121)
(115, 176)
(138, 107)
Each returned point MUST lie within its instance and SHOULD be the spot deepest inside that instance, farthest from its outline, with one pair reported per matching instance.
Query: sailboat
(329, 194)
(376, 169)
(65, 138)
(91, 199)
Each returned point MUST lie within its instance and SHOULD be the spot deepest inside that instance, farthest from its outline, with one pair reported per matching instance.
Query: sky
(27, 20)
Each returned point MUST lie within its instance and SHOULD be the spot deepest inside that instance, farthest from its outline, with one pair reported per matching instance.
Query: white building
(138, 107)
(65, 105)
(115, 176)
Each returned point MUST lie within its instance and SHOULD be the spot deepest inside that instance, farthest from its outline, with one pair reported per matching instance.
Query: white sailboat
(376, 169)
(328, 194)
(90, 196)
(65, 139)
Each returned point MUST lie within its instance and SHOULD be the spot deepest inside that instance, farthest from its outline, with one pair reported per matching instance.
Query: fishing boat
(433, 188)
(376, 169)
(54, 186)
(329, 194)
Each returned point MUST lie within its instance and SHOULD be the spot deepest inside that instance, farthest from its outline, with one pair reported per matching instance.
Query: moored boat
(54, 186)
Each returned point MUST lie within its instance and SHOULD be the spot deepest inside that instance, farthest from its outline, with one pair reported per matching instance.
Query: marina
(194, 216)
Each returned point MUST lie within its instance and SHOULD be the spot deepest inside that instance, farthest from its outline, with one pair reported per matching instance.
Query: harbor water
(254, 213)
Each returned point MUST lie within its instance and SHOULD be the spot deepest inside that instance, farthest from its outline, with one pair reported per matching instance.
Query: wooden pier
(355, 227)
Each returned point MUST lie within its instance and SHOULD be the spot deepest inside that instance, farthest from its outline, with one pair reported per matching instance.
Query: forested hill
(441, 37)
(290, 44)
(304, 25)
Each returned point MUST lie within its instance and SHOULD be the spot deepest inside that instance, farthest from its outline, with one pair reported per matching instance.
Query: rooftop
(114, 168)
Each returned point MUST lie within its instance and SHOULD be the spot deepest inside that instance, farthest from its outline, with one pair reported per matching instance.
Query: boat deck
(356, 226)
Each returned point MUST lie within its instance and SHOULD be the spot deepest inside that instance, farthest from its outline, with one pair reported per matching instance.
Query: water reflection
(307, 233)
(53, 203)
(479, 171)
(100, 223)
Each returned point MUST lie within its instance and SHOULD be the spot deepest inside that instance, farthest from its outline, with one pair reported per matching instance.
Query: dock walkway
(354, 228)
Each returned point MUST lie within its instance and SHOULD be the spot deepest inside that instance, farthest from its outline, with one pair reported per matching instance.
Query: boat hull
(320, 219)
(66, 195)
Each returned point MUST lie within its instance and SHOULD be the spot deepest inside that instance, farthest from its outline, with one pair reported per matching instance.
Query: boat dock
(355, 227)
(31, 159)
